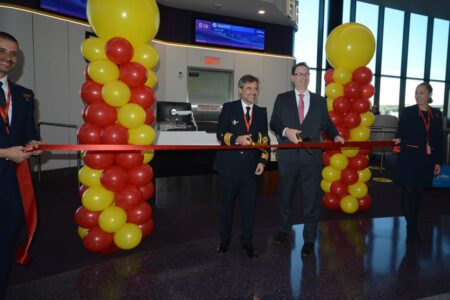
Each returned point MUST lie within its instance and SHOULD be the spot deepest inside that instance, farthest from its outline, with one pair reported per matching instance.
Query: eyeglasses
(301, 74)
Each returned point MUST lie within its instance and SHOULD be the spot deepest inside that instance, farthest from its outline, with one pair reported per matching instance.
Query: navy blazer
(231, 125)
(285, 114)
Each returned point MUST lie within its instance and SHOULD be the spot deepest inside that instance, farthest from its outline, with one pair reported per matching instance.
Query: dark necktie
(2, 96)
(247, 114)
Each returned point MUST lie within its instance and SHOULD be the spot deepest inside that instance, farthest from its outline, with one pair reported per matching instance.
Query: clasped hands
(20, 154)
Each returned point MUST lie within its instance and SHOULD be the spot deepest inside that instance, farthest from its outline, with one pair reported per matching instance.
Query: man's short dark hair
(300, 64)
(7, 36)
(247, 78)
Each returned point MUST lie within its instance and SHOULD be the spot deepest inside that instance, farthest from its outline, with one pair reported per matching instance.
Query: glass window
(367, 14)
(307, 32)
(417, 44)
(389, 95)
(438, 94)
(312, 80)
(392, 42)
(410, 98)
(322, 91)
(439, 50)
(346, 11)
(325, 36)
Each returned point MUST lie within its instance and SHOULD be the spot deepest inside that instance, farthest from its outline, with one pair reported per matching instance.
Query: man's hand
(17, 154)
(291, 134)
(397, 141)
(437, 169)
(34, 145)
(339, 139)
(259, 169)
(244, 140)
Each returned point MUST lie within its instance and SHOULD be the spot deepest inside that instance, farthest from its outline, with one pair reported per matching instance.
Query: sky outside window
(439, 50)
(305, 47)
(392, 42)
(417, 45)
(367, 14)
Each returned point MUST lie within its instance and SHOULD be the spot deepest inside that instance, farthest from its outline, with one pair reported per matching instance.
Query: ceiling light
(261, 12)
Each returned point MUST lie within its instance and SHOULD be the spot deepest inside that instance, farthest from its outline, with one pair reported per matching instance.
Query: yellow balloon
(325, 185)
(131, 115)
(151, 78)
(148, 155)
(364, 175)
(349, 151)
(116, 93)
(358, 189)
(97, 198)
(103, 71)
(342, 75)
(82, 231)
(143, 135)
(334, 90)
(349, 204)
(331, 174)
(137, 20)
(350, 46)
(93, 49)
(89, 177)
(367, 119)
(146, 55)
(360, 134)
(339, 161)
(128, 237)
(330, 104)
(111, 219)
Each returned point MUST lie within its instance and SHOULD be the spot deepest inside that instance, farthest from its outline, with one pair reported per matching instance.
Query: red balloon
(133, 74)
(329, 76)
(342, 105)
(349, 176)
(367, 90)
(360, 105)
(142, 95)
(101, 114)
(339, 188)
(89, 134)
(130, 159)
(352, 119)
(331, 201)
(84, 112)
(96, 240)
(362, 75)
(336, 118)
(364, 202)
(147, 227)
(326, 158)
(140, 175)
(114, 178)
(114, 134)
(149, 116)
(128, 197)
(81, 190)
(343, 132)
(98, 160)
(147, 190)
(140, 213)
(365, 151)
(91, 92)
(86, 73)
(358, 162)
(86, 218)
(119, 50)
(352, 90)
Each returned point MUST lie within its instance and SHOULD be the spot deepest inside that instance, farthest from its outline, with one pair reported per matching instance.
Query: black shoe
(223, 247)
(307, 249)
(250, 251)
(281, 237)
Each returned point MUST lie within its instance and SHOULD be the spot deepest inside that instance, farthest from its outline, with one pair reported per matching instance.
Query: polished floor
(359, 256)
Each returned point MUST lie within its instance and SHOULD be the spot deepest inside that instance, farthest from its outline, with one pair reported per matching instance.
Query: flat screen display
(215, 33)
(75, 8)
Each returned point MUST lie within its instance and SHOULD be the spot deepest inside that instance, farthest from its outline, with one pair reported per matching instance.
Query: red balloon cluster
(116, 185)
(345, 176)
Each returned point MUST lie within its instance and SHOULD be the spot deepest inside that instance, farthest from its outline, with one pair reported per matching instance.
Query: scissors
(261, 142)
(303, 140)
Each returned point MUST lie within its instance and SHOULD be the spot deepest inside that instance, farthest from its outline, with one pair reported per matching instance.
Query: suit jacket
(285, 114)
(22, 129)
(231, 125)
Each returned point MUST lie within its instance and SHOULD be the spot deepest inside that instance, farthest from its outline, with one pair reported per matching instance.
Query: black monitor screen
(216, 33)
(75, 8)
(177, 112)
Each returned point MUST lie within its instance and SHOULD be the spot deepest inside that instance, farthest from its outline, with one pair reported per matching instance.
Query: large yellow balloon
(148, 155)
(146, 55)
(97, 198)
(103, 71)
(93, 49)
(358, 189)
(342, 75)
(111, 219)
(128, 237)
(89, 177)
(350, 46)
(131, 115)
(360, 134)
(334, 90)
(349, 204)
(325, 185)
(143, 135)
(339, 161)
(367, 119)
(135, 20)
(116, 93)
(331, 174)
(151, 78)
(364, 175)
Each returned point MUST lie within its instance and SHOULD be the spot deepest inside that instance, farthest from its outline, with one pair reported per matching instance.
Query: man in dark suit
(16, 130)
(300, 113)
(241, 122)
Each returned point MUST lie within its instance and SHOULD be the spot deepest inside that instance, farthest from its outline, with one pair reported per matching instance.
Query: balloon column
(118, 95)
(349, 48)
